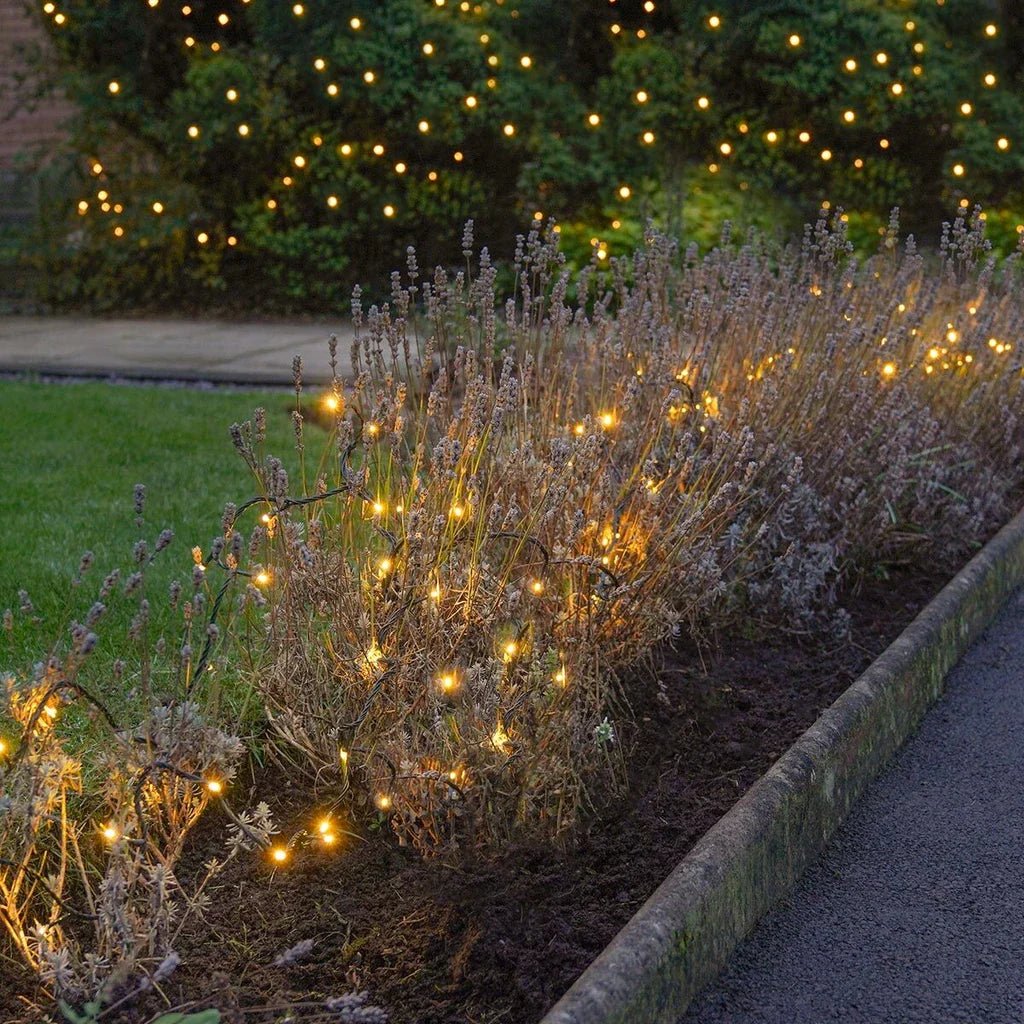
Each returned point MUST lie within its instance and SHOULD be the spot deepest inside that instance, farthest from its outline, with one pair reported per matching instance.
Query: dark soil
(501, 941)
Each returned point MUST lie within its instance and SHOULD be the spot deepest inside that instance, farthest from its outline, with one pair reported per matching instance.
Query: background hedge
(600, 114)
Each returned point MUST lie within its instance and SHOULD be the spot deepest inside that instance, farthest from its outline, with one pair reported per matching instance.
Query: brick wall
(23, 130)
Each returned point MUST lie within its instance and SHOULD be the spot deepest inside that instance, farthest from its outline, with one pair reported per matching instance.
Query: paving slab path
(254, 353)
(915, 913)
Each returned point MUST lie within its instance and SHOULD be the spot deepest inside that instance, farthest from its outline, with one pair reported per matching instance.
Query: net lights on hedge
(795, 40)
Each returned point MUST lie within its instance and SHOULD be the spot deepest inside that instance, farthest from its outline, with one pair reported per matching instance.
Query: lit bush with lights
(519, 498)
(274, 153)
(443, 611)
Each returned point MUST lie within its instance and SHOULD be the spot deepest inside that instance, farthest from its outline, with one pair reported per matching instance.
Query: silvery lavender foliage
(294, 954)
(355, 1008)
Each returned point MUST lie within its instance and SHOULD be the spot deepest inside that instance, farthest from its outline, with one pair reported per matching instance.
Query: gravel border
(682, 936)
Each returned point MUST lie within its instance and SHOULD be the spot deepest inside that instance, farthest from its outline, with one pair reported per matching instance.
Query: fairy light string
(473, 47)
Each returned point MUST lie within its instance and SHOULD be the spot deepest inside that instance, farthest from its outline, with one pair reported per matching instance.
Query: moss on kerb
(682, 935)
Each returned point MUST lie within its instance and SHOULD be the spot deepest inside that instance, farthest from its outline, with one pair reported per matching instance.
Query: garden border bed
(682, 936)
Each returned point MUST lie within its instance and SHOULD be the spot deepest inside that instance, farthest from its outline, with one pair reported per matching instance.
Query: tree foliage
(260, 151)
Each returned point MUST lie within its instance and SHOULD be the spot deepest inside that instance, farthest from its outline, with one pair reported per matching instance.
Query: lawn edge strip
(753, 856)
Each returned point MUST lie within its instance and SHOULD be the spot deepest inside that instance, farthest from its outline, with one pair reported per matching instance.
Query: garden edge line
(753, 856)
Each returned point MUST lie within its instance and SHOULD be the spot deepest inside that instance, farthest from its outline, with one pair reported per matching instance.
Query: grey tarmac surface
(915, 913)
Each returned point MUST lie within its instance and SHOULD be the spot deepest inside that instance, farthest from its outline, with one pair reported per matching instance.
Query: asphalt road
(916, 911)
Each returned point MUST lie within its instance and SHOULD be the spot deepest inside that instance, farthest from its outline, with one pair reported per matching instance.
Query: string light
(278, 854)
(640, 95)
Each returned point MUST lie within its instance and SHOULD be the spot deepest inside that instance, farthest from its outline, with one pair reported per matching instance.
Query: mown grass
(71, 456)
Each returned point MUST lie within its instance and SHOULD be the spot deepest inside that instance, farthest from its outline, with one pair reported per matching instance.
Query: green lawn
(70, 455)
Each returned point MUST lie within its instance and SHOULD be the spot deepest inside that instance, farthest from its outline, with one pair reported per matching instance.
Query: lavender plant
(91, 834)
(517, 498)
(520, 498)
